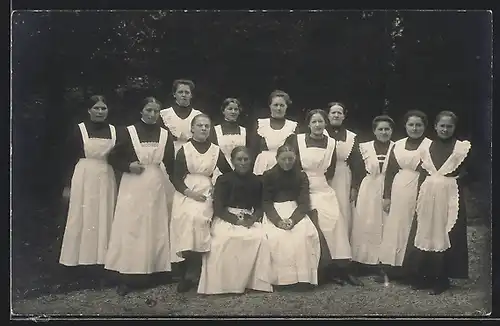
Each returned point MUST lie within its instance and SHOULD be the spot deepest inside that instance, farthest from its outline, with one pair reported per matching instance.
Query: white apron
(403, 204)
(438, 202)
(274, 139)
(190, 225)
(315, 161)
(227, 143)
(231, 246)
(369, 216)
(91, 203)
(140, 241)
(294, 253)
(181, 129)
(342, 179)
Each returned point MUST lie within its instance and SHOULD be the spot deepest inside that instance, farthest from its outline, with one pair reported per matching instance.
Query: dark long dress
(452, 263)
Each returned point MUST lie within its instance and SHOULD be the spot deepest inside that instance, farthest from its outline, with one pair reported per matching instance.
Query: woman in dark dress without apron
(92, 192)
(140, 240)
(439, 250)
(229, 134)
(192, 208)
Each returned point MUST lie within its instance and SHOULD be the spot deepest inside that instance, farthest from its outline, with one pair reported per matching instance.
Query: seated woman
(237, 237)
(292, 237)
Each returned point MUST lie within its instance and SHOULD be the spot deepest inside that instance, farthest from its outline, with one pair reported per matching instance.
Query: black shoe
(421, 284)
(184, 286)
(440, 286)
(123, 290)
(353, 280)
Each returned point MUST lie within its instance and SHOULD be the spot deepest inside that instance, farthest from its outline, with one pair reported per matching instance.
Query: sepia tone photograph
(329, 163)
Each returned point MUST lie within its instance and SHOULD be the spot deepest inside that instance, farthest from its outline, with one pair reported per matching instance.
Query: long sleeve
(392, 169)
(169, 156)
(221, 193)
(303, 201)
(357, 166)
(257, 143)
(73, 152)
(222, 163)
(123, 153)
(330, 172)
(213, 136)
(267, 200)
(181, 170)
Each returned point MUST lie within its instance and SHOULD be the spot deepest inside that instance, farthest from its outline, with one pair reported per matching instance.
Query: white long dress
(295, 253)
(315, 162)
(91, 204)
(403, 203)
(438, 200)
(239, 258)
(274, 139)
(140, 241)
(227, 143)
(190, 223)
(342, 180)
(369, 216)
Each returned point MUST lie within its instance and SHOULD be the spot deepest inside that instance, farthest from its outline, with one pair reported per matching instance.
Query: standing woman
(92, 192)
(440, 245)
(369, 215)
(272, 132)
(140, 241)
(292, 237)
(316, 157)
(344, 182)
(192, 208)
(400, 188)
(238, 238)
(229, 134)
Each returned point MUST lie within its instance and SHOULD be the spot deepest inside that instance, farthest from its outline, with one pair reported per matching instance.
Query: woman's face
(231, 112)
(336, 115)
(150, 113)
(383, 131)
(286, 160)
(317, 124)
(201, 128)
(183, 95)
(445, 127)
(278, 107)
(241, 162)
(415, 127)
(98, 112)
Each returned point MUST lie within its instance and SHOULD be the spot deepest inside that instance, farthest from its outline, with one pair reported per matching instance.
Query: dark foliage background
(374, 61)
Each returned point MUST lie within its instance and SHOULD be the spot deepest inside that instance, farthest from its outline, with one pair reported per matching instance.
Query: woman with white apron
(292, 237)
(344, 182)
(229, 134)
(239, 257)
(140, 241)
(400, 189)
(369, 215)
(316, 157)
(92, 192)
(272, 132)
(192, 208)
(439, 249)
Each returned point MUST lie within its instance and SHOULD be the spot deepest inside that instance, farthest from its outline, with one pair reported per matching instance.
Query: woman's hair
(178, 82)
(230, 100)
(445, 113)
(279, 93)
(198, 116)
(238, 149)
(312, 112)
(416, 113)
(150, 99)
(382, 118)
(285, 148)
(344, 109)
(97, 98)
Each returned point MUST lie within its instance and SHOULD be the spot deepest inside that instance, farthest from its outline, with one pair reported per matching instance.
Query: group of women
(238, 209)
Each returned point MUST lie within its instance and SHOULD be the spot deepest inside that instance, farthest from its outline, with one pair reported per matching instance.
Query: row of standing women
(251, 210)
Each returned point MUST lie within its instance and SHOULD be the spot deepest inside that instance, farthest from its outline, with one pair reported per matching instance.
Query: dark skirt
(452, 263)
